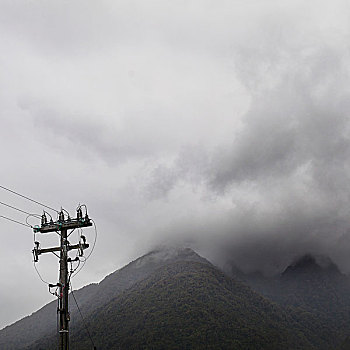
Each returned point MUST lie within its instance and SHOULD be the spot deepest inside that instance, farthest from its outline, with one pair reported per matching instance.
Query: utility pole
(61, 226)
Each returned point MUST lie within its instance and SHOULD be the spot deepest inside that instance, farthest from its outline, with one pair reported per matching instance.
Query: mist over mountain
(92, 296)
(173, 298)
(311, 266)
(311, 283)
(223, 126)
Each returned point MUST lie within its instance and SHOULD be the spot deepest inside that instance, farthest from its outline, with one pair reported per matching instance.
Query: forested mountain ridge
(193, 305)
(312, 284)
(175, 299)
(42, 322)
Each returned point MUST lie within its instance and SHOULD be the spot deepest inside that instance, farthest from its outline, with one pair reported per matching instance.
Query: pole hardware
(35, 251)
(61, 226)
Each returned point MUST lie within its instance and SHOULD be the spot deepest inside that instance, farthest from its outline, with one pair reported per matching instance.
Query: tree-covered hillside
(192, 305)
(175, 299)
(42, 323)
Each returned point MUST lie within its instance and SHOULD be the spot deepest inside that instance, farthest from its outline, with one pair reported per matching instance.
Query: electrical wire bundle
(79, 259)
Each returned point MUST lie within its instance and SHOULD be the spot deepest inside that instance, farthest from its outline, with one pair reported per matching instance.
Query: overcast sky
(220, 125)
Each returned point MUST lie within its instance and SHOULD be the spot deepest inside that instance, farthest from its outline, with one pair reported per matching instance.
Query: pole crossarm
(63, 225)
(57, 249)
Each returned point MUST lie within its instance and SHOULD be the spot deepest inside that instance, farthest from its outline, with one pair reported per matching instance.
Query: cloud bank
(223, 126)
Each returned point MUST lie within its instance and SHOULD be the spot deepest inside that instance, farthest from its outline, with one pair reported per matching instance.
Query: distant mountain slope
(43, 322)
(193, 305)
(316, 288)
(175, 299)
(312, 284)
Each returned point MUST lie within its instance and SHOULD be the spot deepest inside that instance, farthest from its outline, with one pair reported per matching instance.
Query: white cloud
(221, 124)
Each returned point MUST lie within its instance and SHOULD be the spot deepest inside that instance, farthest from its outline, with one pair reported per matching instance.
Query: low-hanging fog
(218, 125)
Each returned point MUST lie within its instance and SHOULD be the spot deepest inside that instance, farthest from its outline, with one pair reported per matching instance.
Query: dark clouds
(220, 125)
(286, 169)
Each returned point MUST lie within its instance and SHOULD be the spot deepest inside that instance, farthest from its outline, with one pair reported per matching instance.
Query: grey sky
(222, 125)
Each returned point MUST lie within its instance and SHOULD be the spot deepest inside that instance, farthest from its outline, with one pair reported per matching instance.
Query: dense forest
(178, 300)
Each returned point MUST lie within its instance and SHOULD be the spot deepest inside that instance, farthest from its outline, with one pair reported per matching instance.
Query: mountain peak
(311, 264)
(168, 254)
(307, 261)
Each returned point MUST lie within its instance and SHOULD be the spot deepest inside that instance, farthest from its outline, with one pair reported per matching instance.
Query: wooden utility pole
(62, 225)
(63, 296)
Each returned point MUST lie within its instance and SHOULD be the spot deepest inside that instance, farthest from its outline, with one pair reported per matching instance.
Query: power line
(20, 210)
(17, 222)
(92, 249)
(63, 224)
(38, 273)
(30, 199)
(29, 215)
(93, 245)
(82, 317)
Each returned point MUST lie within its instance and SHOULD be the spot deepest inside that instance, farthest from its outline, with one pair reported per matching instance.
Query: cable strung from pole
(93, 245)
(17, 222)
(38, 273)
(30, 199)
(92, 249)
(35, 215)
(82, 317)
(20, 210)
